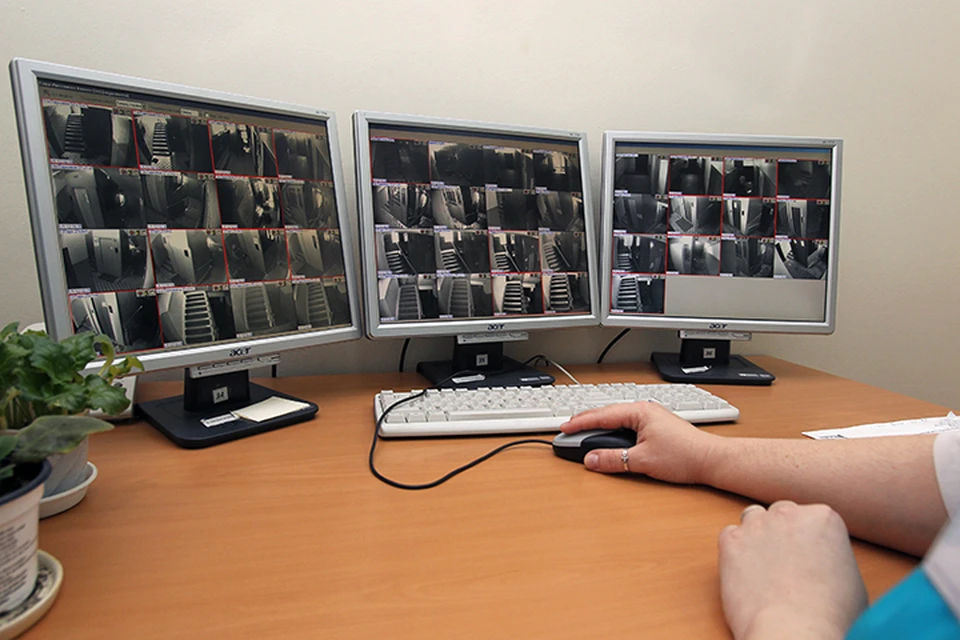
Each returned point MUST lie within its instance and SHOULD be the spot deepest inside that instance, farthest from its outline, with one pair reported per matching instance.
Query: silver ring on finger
(625, 459)
(748, 509)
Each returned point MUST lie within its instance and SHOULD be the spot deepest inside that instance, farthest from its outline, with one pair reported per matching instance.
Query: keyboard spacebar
(497, 414)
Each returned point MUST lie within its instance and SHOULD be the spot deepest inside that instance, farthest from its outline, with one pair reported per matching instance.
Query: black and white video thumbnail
(465, 296)
(242, 149)
(106, 260)
(638, 294)
(511, 210)
(803, 179)
(559, 211)
(402, 206)
(195, 316)
(186, 257)
(249, 203)
(321, 304)
(304, 156)
(641, 173)
(519, 294)
(563, 251)
(557, 170)
(508, 168)
(458, 207)
(699, 216)
(309, 205)
(515, 252)
(173, 143)
(262, 309)
(801, 259)
(462, 251)
(86, 134)
(756, 177)
(747, 257)
(639, 254)
(406, 252)
(642, 213)
(749, 217)
(567, 292)
(180, 200)
(315, 253)
(696, 176)
(408, 298)
(803, 219)
(399, 160)
(454, 163)
(256, 255)
(694, 256)
(129, 319)
(99, 198)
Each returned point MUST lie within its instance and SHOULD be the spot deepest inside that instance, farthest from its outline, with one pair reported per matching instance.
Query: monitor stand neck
(708, 361)
(481, 364)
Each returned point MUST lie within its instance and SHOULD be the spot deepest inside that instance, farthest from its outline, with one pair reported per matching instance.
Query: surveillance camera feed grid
(472, 225)
(183, 223)
(715, 212)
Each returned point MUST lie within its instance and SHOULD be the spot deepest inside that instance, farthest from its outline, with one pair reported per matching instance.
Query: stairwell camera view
(701, 227)
(471, 225)
(188, 223)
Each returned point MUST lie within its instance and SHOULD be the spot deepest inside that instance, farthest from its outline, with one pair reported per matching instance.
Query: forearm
(884, 488)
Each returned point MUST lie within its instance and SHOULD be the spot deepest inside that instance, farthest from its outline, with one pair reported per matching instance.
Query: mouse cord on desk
(429, 485)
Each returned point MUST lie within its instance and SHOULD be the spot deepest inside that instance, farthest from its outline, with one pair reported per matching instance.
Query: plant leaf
(48, 435)
(102, 395)
(61, 360)
(7, 444)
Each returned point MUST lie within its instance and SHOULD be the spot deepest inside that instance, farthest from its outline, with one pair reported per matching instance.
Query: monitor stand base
(511, 374)
(185, 428)
(737, 370)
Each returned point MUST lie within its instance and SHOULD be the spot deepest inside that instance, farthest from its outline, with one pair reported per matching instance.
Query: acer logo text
(240, 351)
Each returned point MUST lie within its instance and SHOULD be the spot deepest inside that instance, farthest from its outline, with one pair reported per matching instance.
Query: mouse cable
(429, 485)
(610, 345)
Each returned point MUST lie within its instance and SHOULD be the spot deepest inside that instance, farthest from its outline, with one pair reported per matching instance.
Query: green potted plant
(43, 409)
(42, 377)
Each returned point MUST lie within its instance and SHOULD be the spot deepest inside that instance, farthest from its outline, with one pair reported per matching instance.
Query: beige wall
(882, 75)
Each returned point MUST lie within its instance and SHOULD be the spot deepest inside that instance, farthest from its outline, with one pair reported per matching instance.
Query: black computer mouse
(576, 446)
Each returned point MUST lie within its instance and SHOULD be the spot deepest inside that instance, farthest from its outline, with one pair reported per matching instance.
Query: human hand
(789, 572)
(668, 447)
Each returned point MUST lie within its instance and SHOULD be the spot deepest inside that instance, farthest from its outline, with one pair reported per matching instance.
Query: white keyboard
(460, 412)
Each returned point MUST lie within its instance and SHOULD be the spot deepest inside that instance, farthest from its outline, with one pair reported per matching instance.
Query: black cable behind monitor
(610, 345)
(403, 355)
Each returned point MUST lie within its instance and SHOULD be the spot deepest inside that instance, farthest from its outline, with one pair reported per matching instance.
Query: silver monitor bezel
(25, 75)
(445, 327)
(612, 138)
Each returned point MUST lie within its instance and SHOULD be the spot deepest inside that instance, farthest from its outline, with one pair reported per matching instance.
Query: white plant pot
(67, 470)
(19, 525)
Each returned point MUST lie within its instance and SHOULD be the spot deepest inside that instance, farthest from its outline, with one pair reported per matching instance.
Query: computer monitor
(475, 230)
(196, 229)
(719, 236)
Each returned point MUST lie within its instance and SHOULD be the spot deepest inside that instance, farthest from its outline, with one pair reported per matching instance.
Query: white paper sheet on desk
(272, 407)
(914, 427)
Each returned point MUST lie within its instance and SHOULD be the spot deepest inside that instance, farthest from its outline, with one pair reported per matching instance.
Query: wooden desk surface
(287, 535)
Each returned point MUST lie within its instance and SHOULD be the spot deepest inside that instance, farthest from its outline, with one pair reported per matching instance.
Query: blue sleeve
(913, 609)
